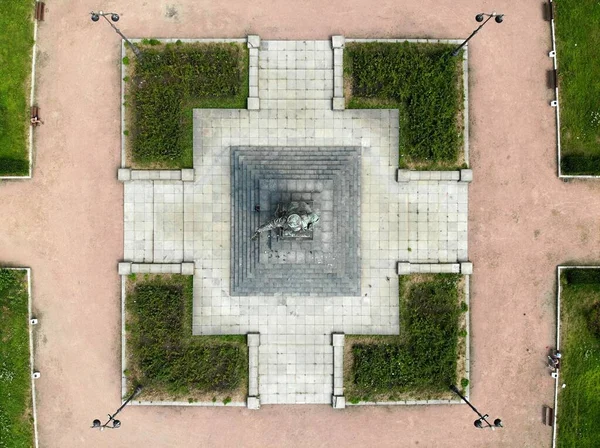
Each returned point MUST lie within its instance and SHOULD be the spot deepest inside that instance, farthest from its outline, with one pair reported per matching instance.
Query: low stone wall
(406, 268)
(126, 174)
(126, 268)
(253, 401)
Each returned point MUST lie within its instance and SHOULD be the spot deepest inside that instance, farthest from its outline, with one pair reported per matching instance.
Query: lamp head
(114, 17)
(479, 17)
(95, 17)
(96, 423)
(499, 18)
(116, 424)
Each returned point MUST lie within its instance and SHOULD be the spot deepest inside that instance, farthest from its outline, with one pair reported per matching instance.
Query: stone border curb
(338, 400)
(253, 400)
(407, 268)
(466, 268)
(337, 44)
(128, 174)
(466, 175)
(404, 175)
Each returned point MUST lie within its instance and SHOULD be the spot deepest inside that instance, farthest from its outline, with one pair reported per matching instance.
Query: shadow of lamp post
(482, 418)
(111, 418)
(115, 18)
(480, 17)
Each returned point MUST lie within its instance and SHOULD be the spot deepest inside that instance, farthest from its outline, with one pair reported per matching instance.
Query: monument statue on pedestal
(295, 219)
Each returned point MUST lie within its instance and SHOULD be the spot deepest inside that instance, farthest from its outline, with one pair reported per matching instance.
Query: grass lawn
(578, 40)
(425, 358)
(165, 85)
(163, 356)
(424, 83)
(16, 41)
(579, 403)
(16, 420)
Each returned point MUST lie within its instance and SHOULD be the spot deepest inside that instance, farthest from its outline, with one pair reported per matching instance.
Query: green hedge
(579, 163)
(16, 422)
(424, 357)
(165, 355)
(167, 83)
(582, 276)
(423, 81)
(13, 167)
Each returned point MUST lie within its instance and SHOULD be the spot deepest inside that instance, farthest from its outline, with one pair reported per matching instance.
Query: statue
(294, 220)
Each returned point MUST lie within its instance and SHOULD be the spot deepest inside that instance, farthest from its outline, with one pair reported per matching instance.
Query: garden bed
(578, 409)
(425, 84)
(16, 415)
(16, 41)
(426, 357)
(164, 86)
(577, 41)
(165, 358)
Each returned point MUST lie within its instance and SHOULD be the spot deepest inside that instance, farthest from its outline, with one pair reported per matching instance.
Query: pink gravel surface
(66, 224)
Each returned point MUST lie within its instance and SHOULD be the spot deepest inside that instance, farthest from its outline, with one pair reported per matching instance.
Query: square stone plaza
(296, 142)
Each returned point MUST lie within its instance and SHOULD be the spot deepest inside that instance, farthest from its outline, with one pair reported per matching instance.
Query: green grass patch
(579, 402)
(16, 41)
(425, 84)
(166, 84)
(578, 40)
(163, 356)
(427, 355)
(16, 420)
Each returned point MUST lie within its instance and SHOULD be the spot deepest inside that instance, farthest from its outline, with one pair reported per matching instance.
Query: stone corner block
(124, 174)
(253, 41)
(338, 339)
(253, 103)
(402, 175)
(403, 268)
(124, 268)
(187, 174)
(187, 268)
(466, 175)
(466, 268)
(338, 103)
(253, 339)
(338, 41)
(338, 401)
(253, 403)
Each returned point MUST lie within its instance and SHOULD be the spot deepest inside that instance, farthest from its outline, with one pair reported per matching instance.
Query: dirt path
(66, 224)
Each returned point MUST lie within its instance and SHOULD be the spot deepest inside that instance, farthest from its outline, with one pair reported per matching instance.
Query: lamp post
(115, 18)
(482, 418)
(480, 17)
(111, 418)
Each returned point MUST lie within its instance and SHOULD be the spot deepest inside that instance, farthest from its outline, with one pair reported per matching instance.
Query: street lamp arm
(115, 17)
(489, 17)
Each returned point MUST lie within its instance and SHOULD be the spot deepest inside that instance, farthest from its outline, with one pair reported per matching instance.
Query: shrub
(167, 358)
(425, 357)
(464, 383)
(424, 80)
(168, 82)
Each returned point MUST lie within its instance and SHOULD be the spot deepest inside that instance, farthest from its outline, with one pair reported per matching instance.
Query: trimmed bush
(423, 81)
(168, 82)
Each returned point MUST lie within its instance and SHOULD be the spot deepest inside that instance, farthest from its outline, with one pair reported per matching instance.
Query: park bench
(39, 11)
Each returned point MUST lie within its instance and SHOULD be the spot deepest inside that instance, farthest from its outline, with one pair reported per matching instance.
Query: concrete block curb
(124, 174)
(466, 268)
(253, 341)
(124, 268)
(338, 103)
(253, 103)
(253, 403)
(402, 175)
(187, 174)
(253, 41)
(338, 402)
(338, 42)
(187, 268)
(466, 175)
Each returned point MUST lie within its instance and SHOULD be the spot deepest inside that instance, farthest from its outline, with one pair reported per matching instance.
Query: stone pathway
(296, 146)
